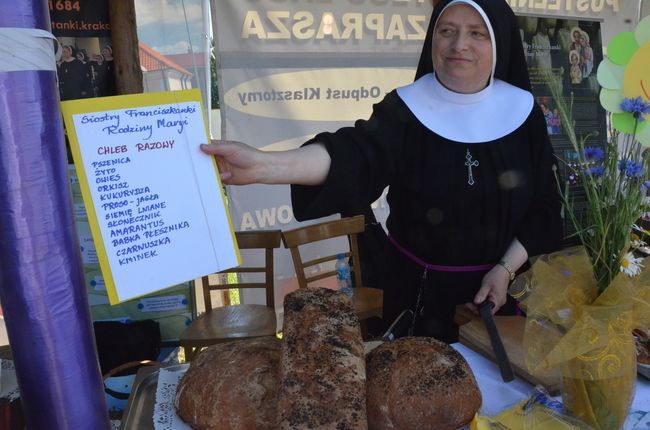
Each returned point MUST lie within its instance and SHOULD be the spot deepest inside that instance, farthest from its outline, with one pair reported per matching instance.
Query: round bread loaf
(418, 383)
(232, 386)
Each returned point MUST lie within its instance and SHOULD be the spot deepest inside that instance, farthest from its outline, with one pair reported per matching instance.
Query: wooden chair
(238, 321)
(368, 302)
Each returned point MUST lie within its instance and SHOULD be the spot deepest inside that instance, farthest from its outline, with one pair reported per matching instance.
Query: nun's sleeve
(541, 229)
(364, 160)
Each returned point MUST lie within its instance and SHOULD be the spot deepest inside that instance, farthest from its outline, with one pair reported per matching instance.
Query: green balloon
(624, 122)
(611, 100)
(610, 75)
(622, 47)
(642, 31)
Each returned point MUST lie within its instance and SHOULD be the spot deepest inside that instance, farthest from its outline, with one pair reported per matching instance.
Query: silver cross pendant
(470, 163)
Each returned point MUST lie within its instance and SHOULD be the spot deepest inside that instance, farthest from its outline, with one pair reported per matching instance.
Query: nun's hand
(238, 163)
(494, 287)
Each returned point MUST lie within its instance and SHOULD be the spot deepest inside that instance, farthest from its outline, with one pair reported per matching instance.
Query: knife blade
(400, 325)
(485, 309)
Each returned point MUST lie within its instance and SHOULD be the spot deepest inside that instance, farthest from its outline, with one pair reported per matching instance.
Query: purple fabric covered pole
(41, 279)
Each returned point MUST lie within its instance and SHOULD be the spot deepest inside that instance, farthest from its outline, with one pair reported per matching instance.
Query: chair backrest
(266, 240)
(294, 238)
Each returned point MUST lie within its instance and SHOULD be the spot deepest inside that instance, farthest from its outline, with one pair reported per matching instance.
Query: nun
(106, 79)
(466, 155)
(71, 73)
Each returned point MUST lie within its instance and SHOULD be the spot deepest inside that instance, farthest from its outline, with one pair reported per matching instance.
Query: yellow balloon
(636, 81)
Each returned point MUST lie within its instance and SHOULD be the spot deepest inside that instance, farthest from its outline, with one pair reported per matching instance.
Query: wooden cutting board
(511, 328)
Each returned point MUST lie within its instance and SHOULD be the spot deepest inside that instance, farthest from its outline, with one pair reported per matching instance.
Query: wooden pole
(124, 37)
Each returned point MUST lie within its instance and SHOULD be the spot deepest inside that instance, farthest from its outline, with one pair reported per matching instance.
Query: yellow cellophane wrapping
(585, 336)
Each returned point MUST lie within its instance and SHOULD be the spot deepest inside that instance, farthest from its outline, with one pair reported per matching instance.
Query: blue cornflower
(635, 171)
(594, 153)
(595, 171)
(631, 169)
(636, 107)
(623, 163)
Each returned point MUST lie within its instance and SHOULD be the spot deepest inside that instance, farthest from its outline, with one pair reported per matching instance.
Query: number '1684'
(66, 5)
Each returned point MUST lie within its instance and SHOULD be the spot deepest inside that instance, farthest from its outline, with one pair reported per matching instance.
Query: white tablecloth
(499, 395)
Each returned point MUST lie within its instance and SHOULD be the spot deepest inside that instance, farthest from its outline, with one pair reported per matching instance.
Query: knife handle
(495, 340)
(486, 306)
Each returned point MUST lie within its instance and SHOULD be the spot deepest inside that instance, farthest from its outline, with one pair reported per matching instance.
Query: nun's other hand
(494, 287)
(238, 163)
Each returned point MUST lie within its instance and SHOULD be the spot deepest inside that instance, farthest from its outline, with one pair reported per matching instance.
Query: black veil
(511, 62)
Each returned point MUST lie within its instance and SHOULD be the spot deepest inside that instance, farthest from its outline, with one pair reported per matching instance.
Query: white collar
(490, 114)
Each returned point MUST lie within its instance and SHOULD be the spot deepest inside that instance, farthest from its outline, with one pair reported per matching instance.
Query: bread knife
(485, 309)
(401, 324)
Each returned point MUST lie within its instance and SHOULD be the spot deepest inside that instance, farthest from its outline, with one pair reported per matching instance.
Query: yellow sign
(154, 202)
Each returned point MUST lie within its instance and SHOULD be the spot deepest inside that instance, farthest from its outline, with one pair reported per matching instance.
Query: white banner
(288, 70)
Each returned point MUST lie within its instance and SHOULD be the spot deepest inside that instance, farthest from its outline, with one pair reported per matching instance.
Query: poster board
(570, 50)
(154, 202)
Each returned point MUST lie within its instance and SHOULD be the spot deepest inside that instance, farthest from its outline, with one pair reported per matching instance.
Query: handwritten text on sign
(155, 196)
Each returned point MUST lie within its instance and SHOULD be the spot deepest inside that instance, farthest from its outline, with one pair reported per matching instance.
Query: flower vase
(584, 335)
(599, 381)
(598, 387)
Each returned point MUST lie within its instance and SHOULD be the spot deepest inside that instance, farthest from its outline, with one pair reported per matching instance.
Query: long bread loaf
(322, 367)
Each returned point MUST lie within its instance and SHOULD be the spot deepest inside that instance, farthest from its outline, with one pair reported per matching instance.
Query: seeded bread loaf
(232, 386)
(322, 365)
(418, 383)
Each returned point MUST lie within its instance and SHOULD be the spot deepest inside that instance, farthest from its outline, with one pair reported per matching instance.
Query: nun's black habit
(417, 141)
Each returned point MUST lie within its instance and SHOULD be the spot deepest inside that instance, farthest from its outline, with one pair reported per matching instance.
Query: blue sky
(161, 25)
